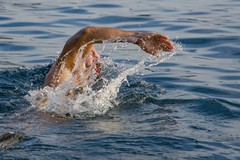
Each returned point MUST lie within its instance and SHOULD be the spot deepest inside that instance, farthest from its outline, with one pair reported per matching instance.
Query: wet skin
(81, 45)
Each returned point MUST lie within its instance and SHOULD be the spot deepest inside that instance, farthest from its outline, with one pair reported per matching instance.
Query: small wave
(15, 84)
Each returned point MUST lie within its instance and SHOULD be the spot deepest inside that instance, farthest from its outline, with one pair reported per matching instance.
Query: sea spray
(87, 104)
(86, 101)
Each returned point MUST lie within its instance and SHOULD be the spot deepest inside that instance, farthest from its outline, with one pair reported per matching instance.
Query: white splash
(90, 102)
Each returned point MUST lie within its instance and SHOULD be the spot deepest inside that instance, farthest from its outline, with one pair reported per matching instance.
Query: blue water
(187, 107)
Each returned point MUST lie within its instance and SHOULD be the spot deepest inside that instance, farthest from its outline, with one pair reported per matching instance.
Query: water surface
(186, 107)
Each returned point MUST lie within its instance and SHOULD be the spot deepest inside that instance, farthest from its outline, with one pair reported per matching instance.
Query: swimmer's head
(93, 59)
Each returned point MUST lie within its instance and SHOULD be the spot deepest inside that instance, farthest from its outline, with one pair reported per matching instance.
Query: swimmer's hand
(154, 43)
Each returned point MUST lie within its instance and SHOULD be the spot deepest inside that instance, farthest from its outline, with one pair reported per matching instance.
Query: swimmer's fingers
(165, 45)
(154, 43)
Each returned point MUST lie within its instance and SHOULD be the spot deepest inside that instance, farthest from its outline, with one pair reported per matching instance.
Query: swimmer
(84, 40)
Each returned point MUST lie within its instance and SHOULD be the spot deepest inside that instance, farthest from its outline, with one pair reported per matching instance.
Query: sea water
(184, 107)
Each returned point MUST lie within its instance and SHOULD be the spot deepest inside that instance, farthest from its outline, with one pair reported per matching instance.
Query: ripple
(4, 37)
(214, 91)
(213, 107)
(50, 36)
(233, 86)
(26, 32)
(230, 78)
(75, 22)
(217, 108)
(154, 145)
(232, 26)
(72, 10)
(5, 18)
(225, 52)
(24, 5)
(14, 47)
(150, 23)
(104, 5)
(167, 64)
(196, 13)
(215, 69)
(206, 42)
(118, 19)
(26, 24)
(176, 28)
(44, 34)
(9, 64)
(105, 20)
(156, 79)
(205, 31)
(42, 61)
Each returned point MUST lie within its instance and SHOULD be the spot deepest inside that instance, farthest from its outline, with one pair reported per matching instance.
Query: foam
(67, 101)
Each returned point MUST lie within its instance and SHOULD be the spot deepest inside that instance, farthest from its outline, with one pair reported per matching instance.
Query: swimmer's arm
(150, 42)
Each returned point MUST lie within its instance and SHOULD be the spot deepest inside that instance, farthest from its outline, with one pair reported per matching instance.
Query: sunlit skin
(152, 43)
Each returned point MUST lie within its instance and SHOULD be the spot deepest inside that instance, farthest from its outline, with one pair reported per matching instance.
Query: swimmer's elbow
(84, 35)
(86, 31)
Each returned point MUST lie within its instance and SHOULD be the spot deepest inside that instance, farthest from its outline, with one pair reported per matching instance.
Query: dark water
(187, 107)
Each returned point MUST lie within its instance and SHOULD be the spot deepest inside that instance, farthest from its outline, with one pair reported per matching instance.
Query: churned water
(185, 105)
